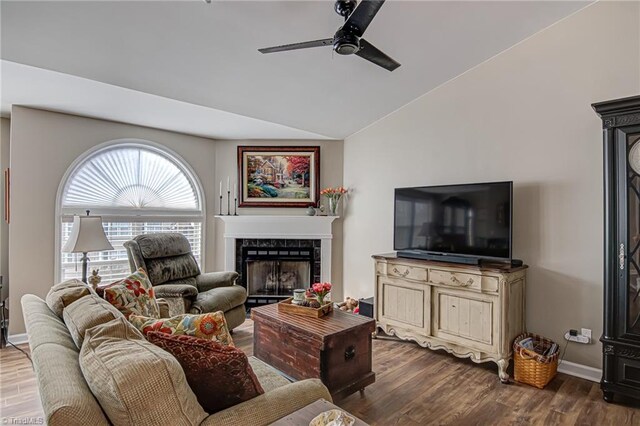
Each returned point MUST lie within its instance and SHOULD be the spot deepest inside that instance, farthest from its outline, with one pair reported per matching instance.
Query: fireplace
(276, 232)
(270, 269)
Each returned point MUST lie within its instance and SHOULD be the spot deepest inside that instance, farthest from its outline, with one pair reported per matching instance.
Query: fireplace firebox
(271, 269)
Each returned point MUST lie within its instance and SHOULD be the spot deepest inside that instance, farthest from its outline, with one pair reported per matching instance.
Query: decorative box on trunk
(287, 307)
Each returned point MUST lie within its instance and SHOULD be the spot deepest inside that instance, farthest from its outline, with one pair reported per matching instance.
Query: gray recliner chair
(175, 276)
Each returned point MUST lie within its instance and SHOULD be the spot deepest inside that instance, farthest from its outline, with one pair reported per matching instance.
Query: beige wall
(43, 146)
(330, 175)
(525, 116)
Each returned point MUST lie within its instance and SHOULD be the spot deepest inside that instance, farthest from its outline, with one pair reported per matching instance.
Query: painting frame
(249, 156)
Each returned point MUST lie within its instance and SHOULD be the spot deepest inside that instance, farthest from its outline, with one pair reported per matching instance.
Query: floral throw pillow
(133, 295)
(219, 375)
(210, 326)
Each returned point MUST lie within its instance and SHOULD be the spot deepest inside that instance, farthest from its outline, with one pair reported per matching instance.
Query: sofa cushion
(210, 326)
(172, 269)
(220, 376)
(166, 244)
(64, 294)
(86, 313)
(136, 382)
(219, 299)
(133, 295)
(44, 326)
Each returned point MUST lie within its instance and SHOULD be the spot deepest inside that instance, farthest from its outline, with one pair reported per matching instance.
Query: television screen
(470, 220)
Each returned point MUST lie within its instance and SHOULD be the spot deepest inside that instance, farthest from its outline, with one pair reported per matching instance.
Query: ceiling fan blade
(295, 46)
(371, 53)
(362, 16)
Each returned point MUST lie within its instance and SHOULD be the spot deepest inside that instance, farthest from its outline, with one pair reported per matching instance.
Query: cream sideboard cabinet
(470, 311)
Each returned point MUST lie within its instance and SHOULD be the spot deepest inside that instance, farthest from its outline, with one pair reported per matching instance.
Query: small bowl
(333, 418)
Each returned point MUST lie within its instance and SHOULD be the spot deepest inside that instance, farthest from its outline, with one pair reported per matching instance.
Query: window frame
(130, 214)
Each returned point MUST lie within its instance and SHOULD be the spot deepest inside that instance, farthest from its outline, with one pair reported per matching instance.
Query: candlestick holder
(220, 204)
(228, 203)
(235, 206)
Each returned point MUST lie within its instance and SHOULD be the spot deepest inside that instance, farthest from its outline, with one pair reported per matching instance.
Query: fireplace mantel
(279, 227)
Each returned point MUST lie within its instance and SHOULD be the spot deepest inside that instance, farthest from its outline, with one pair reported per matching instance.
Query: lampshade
(87, 235)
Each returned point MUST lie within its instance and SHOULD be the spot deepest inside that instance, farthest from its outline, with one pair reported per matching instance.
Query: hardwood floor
(414, 386)
(18, 390)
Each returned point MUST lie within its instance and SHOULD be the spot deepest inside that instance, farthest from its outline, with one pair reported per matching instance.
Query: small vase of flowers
(319, 291)
(333, 197)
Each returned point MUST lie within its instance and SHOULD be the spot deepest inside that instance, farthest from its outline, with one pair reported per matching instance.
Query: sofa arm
(177, 298)
(211, 280)
(175, 290)
(271, 406)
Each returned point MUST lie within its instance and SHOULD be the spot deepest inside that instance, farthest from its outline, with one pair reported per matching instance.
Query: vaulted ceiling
(199, 62)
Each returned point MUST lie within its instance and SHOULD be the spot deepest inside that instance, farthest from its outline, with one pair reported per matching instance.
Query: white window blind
(131, 178)
(137, 190)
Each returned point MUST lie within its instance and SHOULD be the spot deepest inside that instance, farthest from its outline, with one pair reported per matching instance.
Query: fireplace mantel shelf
(272, 226)
(261, 217)
(279, 227)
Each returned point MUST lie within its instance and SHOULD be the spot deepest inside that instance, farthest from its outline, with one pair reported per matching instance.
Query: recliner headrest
(154, 246)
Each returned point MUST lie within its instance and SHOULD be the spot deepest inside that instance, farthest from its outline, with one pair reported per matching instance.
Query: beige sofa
(68, 400)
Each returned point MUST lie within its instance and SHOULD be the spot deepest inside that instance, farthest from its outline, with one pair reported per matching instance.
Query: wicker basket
(530, 367)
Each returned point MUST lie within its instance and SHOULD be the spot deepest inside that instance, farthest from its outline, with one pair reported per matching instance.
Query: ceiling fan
(348, 39)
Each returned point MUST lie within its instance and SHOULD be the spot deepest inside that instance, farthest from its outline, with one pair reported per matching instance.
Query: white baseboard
(579, 370)
(19, 339)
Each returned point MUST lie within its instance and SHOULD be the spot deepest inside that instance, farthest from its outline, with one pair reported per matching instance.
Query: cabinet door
(628, 248)
(465, 318)
(404, 304)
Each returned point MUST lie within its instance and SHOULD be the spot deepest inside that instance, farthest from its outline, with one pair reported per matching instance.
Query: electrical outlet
(586, 332)
(579, 338)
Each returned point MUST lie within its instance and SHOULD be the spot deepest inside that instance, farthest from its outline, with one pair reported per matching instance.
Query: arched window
(137, 188)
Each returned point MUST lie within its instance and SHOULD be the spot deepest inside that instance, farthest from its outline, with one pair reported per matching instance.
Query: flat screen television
(457, 223)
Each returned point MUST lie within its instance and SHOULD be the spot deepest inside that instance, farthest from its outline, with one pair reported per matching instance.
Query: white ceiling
(172, 54)
(44, 89)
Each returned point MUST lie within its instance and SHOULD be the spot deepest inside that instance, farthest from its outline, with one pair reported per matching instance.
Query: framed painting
(278, 176)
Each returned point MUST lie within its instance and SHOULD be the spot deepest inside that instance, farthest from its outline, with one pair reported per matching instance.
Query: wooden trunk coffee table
(335, 348)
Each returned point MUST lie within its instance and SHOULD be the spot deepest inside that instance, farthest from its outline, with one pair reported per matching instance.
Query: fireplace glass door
(273, 273)
(277, 277)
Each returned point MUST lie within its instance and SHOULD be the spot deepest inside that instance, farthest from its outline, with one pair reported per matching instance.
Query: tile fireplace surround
(276, 228)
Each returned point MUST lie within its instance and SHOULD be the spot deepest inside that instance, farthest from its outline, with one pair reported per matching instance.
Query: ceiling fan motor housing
(344, 7)
(345, 42)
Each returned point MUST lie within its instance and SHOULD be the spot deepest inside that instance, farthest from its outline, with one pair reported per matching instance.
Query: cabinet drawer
(463, 280)
(408, 272)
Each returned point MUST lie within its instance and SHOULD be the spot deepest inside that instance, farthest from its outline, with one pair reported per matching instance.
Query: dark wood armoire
(621, 335)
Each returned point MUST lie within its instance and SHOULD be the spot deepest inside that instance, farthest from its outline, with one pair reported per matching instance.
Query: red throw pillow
(220, 376)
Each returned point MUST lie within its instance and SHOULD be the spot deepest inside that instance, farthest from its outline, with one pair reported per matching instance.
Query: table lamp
(87, 235)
